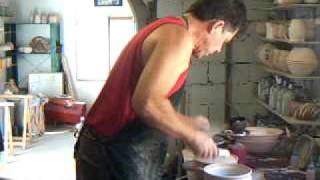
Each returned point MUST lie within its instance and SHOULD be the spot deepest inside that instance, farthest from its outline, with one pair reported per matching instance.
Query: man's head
(223, 19)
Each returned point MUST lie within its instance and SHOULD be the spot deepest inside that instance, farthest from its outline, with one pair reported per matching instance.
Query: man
(124, 136)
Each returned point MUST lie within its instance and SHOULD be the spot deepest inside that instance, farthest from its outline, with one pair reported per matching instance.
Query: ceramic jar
(297, 30)
(302, 61)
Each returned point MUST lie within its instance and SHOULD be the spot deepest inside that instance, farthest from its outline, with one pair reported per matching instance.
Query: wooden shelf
(288, 7)
(288, 75)
(33, 53)
(290, 42)
(289, 120)
(34, 24)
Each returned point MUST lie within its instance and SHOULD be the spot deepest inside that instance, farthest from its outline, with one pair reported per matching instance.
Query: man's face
(214, 40)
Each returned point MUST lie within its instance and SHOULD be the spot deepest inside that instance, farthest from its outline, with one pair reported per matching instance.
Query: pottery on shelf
(297, 30)
(279, 60)
(265, 54)
(288, 1)
(277, 30)
(310, 29)
(302, 61)
(311, 1)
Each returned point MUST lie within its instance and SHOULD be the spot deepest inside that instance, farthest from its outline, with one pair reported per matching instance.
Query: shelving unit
(288, 7)
(28, 63)
(287, 75)
(10, 32)
(289, 120)
(289, 42)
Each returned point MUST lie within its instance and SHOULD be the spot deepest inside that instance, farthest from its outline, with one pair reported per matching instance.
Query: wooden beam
(141, 12)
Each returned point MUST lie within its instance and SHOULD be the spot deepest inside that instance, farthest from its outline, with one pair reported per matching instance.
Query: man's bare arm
(169, 58)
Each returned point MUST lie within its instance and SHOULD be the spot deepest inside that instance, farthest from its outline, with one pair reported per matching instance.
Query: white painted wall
(82, 24)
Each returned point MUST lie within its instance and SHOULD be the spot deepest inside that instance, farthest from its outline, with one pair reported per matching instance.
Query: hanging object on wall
(40, 44)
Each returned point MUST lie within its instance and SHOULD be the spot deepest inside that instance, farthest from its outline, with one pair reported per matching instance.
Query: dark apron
(136, 153)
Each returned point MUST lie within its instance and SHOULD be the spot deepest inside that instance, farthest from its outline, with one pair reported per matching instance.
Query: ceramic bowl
(260, 140)
(227, 171)
(301, 69)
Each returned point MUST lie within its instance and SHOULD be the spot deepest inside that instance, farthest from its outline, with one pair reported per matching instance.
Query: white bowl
(227, 171)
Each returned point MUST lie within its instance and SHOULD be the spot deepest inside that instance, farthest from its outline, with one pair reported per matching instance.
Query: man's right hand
(203, 145)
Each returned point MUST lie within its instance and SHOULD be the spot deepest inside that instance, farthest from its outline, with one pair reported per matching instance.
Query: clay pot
(302, 61)
(265, 54)
(279, 60)
(297, 30)
(277, 30)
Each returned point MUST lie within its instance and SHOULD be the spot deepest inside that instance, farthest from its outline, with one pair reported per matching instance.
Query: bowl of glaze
(227, 172)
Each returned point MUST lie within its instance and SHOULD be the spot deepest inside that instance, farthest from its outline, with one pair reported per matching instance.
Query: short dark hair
(233, 12)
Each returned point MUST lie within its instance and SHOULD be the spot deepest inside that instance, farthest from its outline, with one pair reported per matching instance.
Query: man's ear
(215, 26)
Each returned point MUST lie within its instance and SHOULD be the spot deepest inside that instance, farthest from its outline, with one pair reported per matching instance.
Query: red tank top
(113, 108)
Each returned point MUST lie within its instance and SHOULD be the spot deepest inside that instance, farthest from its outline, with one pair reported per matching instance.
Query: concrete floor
(49, 157)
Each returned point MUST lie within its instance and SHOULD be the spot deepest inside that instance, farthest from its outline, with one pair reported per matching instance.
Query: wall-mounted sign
(108, 2)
